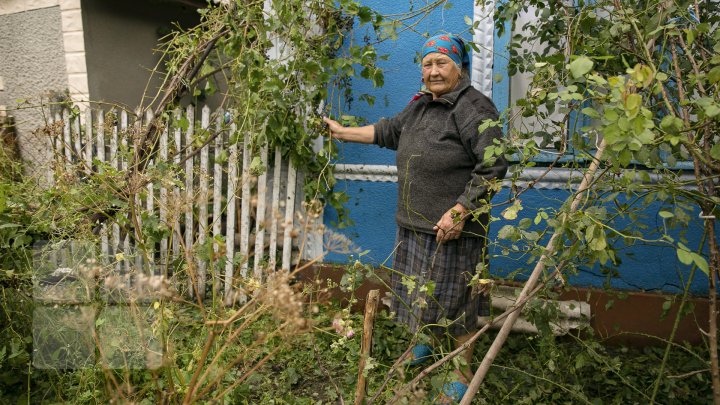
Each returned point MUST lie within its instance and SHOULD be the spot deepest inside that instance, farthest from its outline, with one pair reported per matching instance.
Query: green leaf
(625, 157)
(666, 214)
(684, 256)
(709, 106)
(580, 66)
(579, 361)
(690, 36)
(646, 137)
(712, 110)
(364, 15)
(487, 124)
(671, 123)
(409, 283)
(700, 262)
(257, 167)
(590, 112)
(507, 232)
(598, 243)
(714, 75)
(510, 213)
(715, 151)
(632, 104)
(468, 20)
(184, 123)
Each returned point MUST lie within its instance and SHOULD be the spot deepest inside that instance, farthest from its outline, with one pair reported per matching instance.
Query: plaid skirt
(421, 263)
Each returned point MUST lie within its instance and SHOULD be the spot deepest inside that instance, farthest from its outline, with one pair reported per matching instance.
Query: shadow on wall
(121, 42)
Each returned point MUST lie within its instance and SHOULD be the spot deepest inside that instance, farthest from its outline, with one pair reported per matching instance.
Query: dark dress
(441, 162)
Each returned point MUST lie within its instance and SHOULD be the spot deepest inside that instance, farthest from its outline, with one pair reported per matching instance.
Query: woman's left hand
(450, 225)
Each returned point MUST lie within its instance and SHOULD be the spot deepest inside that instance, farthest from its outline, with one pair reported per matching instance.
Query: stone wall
(32, 69)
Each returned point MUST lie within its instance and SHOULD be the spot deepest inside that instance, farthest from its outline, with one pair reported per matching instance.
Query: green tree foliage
(635, 85)
(640, 77)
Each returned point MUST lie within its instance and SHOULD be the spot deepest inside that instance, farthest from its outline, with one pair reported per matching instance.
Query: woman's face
(440, 73)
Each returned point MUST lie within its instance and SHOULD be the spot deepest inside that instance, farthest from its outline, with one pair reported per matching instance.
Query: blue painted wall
(372, 204)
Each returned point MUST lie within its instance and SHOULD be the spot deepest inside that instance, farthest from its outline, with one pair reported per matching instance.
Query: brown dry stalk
(251, 318)
(239, 358)
(193, 386)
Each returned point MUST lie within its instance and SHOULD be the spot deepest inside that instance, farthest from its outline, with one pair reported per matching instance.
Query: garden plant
(625, 93)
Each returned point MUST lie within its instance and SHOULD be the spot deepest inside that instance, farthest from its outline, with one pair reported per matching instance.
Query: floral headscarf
(450, 45)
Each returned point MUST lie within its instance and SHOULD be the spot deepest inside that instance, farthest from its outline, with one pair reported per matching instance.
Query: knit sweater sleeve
(388, 130)
(485, 171)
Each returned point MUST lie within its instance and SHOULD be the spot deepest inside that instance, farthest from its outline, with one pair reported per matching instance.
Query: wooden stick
(371, 305)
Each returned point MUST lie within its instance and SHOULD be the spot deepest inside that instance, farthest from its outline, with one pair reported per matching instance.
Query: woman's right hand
(364, 134)
(336, 129)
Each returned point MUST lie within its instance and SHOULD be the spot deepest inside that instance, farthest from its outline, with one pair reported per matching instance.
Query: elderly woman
(442, 177)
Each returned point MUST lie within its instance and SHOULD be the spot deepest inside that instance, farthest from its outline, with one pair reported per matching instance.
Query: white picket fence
(220, 198)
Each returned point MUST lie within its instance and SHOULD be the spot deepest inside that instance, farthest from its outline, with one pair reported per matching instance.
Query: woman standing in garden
(443, 177)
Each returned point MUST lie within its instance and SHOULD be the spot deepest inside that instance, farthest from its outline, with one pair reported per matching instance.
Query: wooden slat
(100, 152)
(245, 205)
(67, 145)
(114, 143)
(163, 201)
(190, 192)
(100, 136)
(217, 193)
(114, 165)
(176, 191)
(88, 139)
(289, 215)
(230, 219)
(138, 253)
(260, 216)
(54, 260)
(76, 135)
(203, 201)
(149, 254)
(65, 254)
(58, 150)
(275, 209)
(124, 167)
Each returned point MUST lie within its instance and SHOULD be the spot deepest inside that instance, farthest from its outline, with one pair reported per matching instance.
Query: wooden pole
(371, 305)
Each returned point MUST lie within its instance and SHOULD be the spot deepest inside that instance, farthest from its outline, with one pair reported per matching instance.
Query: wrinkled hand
(450, 225)
(335, 127)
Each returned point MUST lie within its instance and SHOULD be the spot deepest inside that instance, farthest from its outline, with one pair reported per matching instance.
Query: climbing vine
(278, 67)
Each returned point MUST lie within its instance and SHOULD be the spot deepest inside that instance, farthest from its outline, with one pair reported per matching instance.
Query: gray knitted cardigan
(440, 156)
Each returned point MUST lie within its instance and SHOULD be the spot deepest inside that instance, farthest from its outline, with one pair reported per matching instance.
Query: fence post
(245, 207)
(289, 215)
(230, 219)
(203, 200)
(371, 304)
(275, 208)
(189, 199)
(217, 197)
(260, 216)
